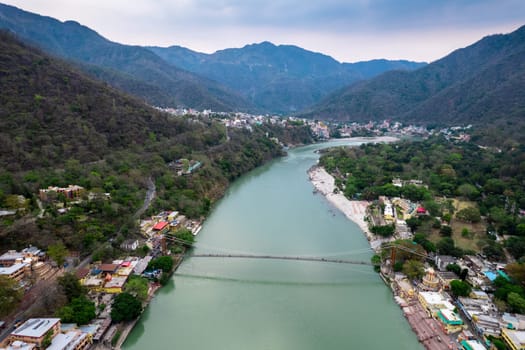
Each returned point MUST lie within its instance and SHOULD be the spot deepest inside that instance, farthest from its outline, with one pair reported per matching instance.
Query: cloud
(346, 29)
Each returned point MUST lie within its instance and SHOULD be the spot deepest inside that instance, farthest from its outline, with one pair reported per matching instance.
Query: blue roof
(490, 275)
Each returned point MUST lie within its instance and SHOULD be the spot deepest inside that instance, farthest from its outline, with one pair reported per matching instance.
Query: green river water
(214, 303)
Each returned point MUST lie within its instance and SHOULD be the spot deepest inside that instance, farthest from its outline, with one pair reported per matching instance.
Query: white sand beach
(353, 210)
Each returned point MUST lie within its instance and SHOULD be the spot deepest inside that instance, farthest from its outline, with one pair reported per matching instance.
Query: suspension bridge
(281, 257)
(393, 247)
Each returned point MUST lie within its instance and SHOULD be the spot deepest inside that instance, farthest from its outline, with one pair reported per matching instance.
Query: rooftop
(35, 327)
(66, 341)
(472, 345)
(517, 337)
(116, 282)
(160, 225)
(9, 270)
(11, 255)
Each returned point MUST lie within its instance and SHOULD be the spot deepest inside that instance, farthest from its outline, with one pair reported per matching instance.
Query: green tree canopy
(413, 269)
(10, 295)
(71, 286)
(516, 302)
(81, 310)
(125, 308)
(138, 287)
(460, 288)
(58, 253)
(165, 263)
(470, 214)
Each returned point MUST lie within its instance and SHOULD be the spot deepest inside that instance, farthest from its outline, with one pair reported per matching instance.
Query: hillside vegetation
(58, 127)
(131, 68)
(482, 84)
(487, 186)
(278, 78)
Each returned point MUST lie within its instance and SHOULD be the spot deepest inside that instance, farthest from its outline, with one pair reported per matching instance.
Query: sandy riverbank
(354, 210)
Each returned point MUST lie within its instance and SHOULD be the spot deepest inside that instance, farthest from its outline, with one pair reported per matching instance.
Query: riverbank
(355, 211)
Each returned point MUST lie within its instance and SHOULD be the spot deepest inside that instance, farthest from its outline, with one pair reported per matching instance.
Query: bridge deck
(282, 257)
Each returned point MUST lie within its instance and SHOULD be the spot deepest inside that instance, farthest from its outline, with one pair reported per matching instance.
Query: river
(214, 303)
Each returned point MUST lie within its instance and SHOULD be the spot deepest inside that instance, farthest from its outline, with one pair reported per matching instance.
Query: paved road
(150, 195)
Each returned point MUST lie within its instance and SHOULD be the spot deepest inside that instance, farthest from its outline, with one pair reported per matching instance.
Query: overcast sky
(348, 30)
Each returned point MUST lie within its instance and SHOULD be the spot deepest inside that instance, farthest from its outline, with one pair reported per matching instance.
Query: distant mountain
(131, 68)
(481, 84)
(280, 78)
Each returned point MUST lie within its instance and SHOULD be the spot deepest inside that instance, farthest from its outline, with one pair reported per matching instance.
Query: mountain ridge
(446, 91)
(77, 42)
(286, 78)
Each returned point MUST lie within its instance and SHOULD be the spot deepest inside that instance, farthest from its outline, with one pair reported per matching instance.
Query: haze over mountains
(258, 78)
(282, 78)
(482, 84)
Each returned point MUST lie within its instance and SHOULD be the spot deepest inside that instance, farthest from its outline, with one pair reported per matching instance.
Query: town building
(15, 272)
(472, 345)
(515, 340)
(11, 257)
(70, 192)
(72, 340)
(34, 330)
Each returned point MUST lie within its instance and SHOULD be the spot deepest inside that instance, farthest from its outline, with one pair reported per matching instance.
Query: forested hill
(481, 84)
(131, 68)
(59, 127)
(49, 112)
(278, 78)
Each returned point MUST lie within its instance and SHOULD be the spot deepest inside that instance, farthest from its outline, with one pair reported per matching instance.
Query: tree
(71, 286)
(125, 308)
(445, 231)
(81, 310)
(413, 269)
(10, 295)
(468, 191)
(460, 288)
(185, 235)
(58, 253)
(454, 268)
(470, 214)
(164, 263)
(138, 287)
(516, 302)
(384, 231)
(517, 272)
(413, 223)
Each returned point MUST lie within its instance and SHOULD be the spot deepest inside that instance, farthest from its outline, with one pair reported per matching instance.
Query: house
(161, 227)
(70, 192)
(15, 272)
(514, 339)
(34, 330)
(10, 258)
(114, 284)
(74, 340)
(82, 274)
(450, 321)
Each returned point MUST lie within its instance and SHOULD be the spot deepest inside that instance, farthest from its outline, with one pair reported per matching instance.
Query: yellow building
(15, 272)
(514, 339)
(35, 329)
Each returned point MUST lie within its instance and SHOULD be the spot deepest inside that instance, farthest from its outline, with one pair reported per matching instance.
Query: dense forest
(493, 179)
(58, 127)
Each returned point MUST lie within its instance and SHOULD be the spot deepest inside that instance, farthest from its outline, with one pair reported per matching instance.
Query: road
(150, 195)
